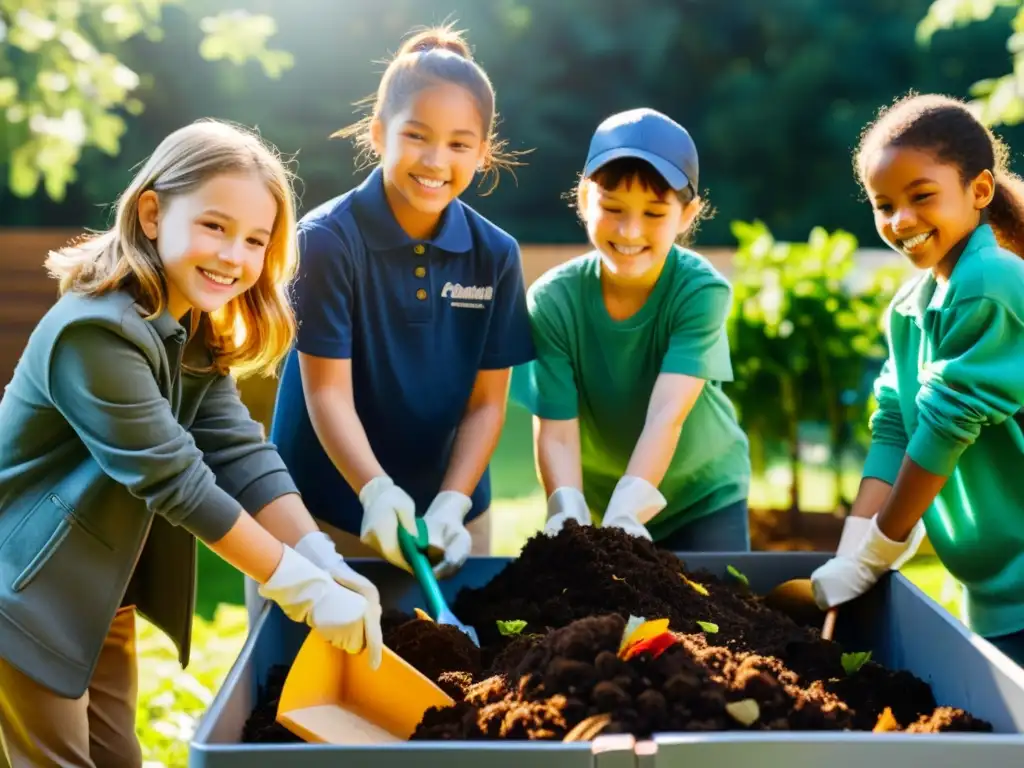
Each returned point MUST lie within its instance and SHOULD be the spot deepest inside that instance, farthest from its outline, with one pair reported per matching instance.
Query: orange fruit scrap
(655, 646)
(650, 636)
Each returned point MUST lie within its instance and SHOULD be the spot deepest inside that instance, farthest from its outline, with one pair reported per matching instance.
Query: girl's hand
(309, 594)
(854, 529)
(385, 507)
(446, 531)
(846, 577)
(566, 503)
(318, 548)
(634, 503)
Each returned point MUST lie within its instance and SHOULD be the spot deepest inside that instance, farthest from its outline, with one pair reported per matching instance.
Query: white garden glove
(447, 532)
(385, 507)
(308, 594)
(319, 549)
(634, 502)
(566, 503)
(846, 577)
(854, 529)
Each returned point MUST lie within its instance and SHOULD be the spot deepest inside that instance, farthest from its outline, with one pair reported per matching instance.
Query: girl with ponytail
(411, 311)
(948, 434)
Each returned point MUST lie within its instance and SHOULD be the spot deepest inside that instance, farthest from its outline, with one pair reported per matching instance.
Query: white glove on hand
(634, 502)
(854, 529)
(446, 531)
(385, 507)
(308, 594)
(318, 548)
(566, 503)
(844, 578)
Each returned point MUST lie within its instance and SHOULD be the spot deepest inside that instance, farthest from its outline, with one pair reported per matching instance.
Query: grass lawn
(171, 700)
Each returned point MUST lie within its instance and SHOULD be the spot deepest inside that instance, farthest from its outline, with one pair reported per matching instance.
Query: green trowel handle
(415, 551)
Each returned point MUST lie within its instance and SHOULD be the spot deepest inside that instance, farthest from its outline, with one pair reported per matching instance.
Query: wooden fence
(26, 292)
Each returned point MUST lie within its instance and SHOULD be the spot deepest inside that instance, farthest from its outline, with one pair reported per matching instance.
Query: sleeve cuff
(883, 462)
(553, 411)
(337, 349)
(213, 517)
(244, 472)
(699, 369)
(525, 392)
(265, 489)
(933, 451)
(505, 359)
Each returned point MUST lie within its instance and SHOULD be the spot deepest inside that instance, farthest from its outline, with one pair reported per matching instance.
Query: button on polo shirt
(418, 319)
(419, 287)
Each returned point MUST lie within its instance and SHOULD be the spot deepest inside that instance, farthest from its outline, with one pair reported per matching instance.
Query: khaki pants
(96, 730)
(349, 545)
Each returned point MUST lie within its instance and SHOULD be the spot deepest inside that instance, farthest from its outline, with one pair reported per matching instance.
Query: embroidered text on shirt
(467, 296)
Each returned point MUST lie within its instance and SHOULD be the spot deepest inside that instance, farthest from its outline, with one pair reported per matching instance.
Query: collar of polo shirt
(382, 231)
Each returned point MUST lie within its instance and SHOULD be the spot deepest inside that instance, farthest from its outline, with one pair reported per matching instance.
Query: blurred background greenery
(774, 93)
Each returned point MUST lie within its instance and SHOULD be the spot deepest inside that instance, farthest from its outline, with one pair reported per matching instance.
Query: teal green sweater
(950, 397)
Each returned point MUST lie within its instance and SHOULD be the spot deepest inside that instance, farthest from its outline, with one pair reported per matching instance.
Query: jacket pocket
(33, 543)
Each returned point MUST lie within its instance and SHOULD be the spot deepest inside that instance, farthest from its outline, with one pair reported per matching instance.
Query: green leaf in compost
(510, 628)
(854, 661)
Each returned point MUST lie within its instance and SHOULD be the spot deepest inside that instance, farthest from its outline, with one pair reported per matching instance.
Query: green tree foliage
(997, 99)
(64, 86)
(775, 95)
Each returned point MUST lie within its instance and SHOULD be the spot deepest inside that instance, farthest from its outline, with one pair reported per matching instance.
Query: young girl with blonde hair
(124, 440)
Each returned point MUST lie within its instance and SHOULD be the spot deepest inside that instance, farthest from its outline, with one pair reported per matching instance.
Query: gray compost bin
(903, 628)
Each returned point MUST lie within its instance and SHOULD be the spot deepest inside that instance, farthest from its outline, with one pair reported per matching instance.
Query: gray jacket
(112, 461)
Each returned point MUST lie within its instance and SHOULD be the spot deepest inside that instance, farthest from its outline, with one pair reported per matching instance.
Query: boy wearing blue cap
(631, 424)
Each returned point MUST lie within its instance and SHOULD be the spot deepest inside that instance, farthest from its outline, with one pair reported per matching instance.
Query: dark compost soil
(729, 662)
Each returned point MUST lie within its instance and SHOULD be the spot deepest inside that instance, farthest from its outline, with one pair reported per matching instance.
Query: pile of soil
(729, 662)
(262, 725)
(588, 571)
(574, 679)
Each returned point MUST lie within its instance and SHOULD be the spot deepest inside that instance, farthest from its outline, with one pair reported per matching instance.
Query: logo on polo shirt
(467, 296)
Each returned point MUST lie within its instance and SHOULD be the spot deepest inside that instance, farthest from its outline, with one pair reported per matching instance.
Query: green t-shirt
(602, 371)
(950, 397)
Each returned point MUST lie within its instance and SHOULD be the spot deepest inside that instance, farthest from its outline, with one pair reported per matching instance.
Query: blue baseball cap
(646, 134)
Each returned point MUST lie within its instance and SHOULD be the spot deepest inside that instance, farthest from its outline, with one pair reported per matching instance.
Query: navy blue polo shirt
(419, 319)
